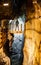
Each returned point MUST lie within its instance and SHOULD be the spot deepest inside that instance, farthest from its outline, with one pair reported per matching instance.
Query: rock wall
(4, 59)
(32, 44)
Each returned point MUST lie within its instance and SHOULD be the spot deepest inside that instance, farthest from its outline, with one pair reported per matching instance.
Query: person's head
(10, 36)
